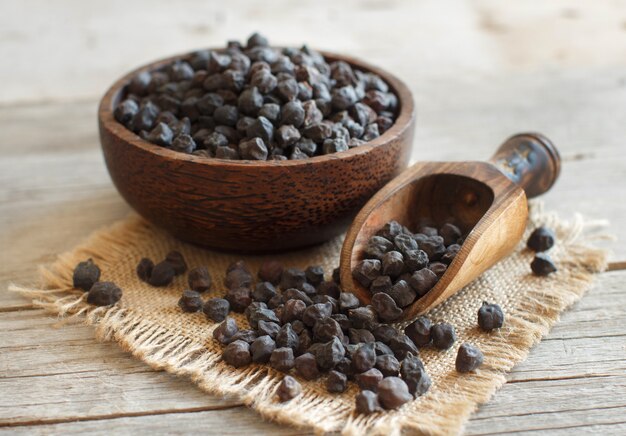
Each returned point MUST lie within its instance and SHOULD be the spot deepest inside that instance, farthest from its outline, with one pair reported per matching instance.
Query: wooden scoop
(487, 200)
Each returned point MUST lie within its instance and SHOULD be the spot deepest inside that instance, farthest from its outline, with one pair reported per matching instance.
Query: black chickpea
(302, 324)
(256, 102)
(405, 265)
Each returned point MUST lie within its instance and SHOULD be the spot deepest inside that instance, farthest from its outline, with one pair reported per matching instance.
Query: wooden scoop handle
(530, 160)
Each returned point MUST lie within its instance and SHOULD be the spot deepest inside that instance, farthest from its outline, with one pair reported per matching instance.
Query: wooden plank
(80, 395)
(75, 396)
(523, 66)
(523, 408)
(408, 37)
(592, 316)
(110, 50)
(517, 408)
(63, 374)
(54, 187)
(58, 179)
(241, 421)
(33, 345)
(231, 421)
(563, 384)
(587, 331)
(76, 197)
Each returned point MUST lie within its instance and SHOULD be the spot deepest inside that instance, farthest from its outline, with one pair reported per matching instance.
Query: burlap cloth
(149, 324)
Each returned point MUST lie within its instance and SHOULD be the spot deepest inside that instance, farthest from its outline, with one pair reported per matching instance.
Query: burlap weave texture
(149, 324)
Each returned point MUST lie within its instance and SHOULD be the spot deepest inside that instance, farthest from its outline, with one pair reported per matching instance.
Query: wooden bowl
(252, 206)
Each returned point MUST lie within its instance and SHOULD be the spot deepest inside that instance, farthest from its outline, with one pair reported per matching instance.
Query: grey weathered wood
(83, 380)
(228, 421)
(65, 198)
(520, 408)
(431, 39)
(81, 395)
(207, 422)
(75, 196)
(80, 377)
(60, 178)
(554, 67)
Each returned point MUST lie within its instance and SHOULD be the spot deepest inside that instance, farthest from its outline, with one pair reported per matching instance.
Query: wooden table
(479, 70)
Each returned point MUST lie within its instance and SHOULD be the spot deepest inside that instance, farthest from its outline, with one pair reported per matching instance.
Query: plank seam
(44, 421)
(548, 412)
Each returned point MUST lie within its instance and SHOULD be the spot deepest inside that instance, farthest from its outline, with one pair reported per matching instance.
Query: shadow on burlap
(148, 323)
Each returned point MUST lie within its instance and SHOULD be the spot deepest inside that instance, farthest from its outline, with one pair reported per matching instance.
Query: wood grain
(488, 39)
(585, 351)
(231, 421)
(61, 197)
(555, 67)
(531, 161)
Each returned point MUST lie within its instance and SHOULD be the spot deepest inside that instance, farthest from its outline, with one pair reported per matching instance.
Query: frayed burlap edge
(163, 349)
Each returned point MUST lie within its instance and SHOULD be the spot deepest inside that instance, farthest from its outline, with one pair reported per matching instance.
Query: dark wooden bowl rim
(402, 122)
